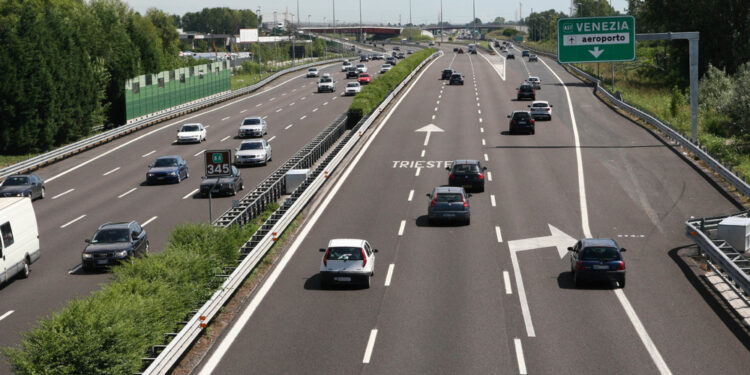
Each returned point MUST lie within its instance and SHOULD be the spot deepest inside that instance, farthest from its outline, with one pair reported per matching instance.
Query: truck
(19, 238)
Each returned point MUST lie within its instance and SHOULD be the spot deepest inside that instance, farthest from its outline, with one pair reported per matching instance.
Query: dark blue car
(597, 259)
(171, 168)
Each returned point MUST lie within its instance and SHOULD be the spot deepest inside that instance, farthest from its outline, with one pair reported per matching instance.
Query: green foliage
(739, 109)
(220, 20)
(715, 90)
(676, 100)
(110, 331)
(373, 94)
(510, 32)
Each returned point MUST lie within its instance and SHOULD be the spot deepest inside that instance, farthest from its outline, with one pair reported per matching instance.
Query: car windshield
(449, 197)
(456, 75)
(251, 121)
(542, 105)
(466, 168)
(344, 253)
(600, 253)
(16, 181)
(111, 235)
(170, 162)
(521, 116)
(251, 146)
(325, 80)
(526, 88)
(352, 84)
(312, 70)
(189, 128)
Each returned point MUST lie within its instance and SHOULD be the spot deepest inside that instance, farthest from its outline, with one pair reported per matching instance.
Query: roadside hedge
(111, 330)
(373, 94)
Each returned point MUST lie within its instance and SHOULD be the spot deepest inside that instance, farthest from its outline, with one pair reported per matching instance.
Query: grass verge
(111, 330)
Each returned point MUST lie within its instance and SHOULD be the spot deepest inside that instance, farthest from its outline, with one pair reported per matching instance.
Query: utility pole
(441, 21)
(360, 22)
(474, 19)
(260, 26)
(334, 18)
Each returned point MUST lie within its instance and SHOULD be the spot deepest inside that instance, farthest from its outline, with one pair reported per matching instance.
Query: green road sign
(217, 157)
(596, 39)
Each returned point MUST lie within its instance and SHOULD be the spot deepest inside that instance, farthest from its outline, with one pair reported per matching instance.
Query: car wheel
(467, 221)
(234, 191)
(481, 189)
(42, 195)
(25, 271)
(324, 283)
(187, 173)
(179, 177)
(367, 281)
(242, 186)
(576, 280)
(86, 268)
(532, 131)
(621, 281)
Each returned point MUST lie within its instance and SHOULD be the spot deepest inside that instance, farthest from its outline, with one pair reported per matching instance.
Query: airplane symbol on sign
(572, 40)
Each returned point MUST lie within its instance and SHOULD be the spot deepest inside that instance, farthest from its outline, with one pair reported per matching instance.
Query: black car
(526, 91)
(511, 56)
(521, 121)
(457, 79)
(364, 58)
(474, 51)
(351, 72)
(22, 185)
(447, 73)
(468, 174)
(449, 203)
(455, 49)
(525, 53)
(112, 243)
(222, 185)
(167, 169)
(597, 259)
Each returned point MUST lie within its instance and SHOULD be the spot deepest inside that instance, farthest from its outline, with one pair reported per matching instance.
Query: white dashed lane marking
(199, 152)
(288, 126)
(411, 194)
(489, 176)
(498, 234)
(63, 193)
(147, 222)
(190, 194)
(110, 172)
(226, 118)
(303, 117)
(72, 221)
(370, 345)
(389, 275)
(492, 200)
(401, 228)
(127, 192)
(506, 280)
(148, 153)
(486, 158)
(225, 138)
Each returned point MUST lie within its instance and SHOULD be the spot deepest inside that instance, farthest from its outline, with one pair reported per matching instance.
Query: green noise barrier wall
(151, 93)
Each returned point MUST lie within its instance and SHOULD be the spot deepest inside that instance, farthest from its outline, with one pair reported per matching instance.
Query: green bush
(373, 94)
(110, 331)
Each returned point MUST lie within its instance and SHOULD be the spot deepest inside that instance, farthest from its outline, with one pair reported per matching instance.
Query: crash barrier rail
(154, 118)
(259, 244)
(735, 266)
(730, 260)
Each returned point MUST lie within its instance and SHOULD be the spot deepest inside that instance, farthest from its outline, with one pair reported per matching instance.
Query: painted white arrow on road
(428, 129)
(596, 52)
(557, 239)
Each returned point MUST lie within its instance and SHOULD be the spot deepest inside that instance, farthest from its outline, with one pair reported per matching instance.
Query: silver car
(253, 152)
(252, 127)
(541, 109)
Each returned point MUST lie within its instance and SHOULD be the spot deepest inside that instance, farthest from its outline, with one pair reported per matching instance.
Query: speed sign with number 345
(218, 163)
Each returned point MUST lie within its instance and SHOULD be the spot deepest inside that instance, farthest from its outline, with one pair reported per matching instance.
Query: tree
(499, 21)
(543, 26)
(167, 32)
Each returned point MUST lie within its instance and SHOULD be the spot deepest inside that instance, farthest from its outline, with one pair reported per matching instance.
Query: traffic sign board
(218, 163)
(596, 39)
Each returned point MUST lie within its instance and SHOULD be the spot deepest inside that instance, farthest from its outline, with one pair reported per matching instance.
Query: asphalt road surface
(108, 184)
(476, 299)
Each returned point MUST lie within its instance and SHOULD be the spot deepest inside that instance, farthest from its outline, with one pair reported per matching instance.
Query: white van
(19, 237)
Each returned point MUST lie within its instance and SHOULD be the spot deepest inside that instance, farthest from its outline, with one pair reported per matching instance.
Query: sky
(373, 11)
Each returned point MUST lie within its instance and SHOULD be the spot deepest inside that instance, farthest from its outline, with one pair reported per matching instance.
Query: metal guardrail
(157, 117)
(730, 260)
(256, 248)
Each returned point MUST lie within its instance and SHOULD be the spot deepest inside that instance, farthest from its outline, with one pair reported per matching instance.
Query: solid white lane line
(148, 153)
(315, 110)
(72, 221)
(389, 275)
(303, 117)
(486, 158)
(416, 174)
(326, 103)
(147, 222)
(127, 192)
(63, 193)
(272, 138)
(519, 357)
(498, 234)
(75, 269)
(110, 172)
(190, 194)
(225, 138)
(370, 345)
(483, 142)
(489, 176)
(238, 326)
(492, 199)
(278, 110)
(6, 314)
(401, 228)
(288, 126)
(634, 320)
(423, 151)
(506, 280)
(226, 118)
(199, 152)
(411, 194)
(243, 111)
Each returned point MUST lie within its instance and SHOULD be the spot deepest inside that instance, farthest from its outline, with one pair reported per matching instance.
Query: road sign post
(218, 164)
(596, 39)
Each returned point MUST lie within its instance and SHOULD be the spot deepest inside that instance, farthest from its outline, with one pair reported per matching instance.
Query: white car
(535, 81)
(191, 133)
(352, 88)
(253, 152)
(347, 261)
(361, 68)
(326, 84)
(345, 65)
(385, 68)
(541, 109)
(252, 127)
(312, 72)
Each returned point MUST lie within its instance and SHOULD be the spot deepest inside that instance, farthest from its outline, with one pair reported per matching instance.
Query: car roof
(252, 141)
(121, 224)
(540, 101)
(449, 189)
(586, 242)
(346, 242)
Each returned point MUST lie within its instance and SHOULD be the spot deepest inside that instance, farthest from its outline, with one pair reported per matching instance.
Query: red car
(364, 78)
(460, 50)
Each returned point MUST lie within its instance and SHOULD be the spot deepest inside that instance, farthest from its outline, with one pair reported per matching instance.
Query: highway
(108, 184)
(479, 299)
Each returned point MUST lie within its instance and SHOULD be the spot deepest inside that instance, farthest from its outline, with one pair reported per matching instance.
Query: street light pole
(260, 26)
(474, 15)
(441, 21)
(360, 22)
